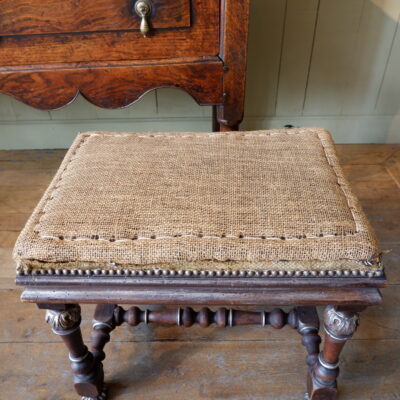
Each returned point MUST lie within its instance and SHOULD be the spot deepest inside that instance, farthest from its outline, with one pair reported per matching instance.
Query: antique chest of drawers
(114, 51)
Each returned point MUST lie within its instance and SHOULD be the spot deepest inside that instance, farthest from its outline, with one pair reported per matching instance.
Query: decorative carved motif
(64, 320)
(338, 325)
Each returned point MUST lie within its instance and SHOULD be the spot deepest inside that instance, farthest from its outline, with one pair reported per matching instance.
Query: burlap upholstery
(249, 200)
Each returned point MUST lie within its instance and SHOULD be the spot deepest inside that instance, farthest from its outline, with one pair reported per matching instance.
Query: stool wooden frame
(343, 295)
(46, 69)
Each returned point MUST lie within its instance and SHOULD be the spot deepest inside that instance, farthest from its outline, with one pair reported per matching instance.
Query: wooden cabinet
(112, 53)
(35, 17)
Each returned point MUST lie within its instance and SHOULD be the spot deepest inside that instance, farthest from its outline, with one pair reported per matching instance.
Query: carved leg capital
(63, 322)
(88, 372)
(339, 326)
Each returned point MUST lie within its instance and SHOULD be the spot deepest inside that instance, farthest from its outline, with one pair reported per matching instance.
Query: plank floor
(149, 363)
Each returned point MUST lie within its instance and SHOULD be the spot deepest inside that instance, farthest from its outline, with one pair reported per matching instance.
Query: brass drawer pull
(143, 10)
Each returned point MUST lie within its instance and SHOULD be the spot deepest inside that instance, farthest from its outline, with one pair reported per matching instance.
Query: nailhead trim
(204, 273)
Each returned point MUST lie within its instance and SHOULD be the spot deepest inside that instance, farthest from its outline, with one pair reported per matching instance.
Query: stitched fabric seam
(177, 236)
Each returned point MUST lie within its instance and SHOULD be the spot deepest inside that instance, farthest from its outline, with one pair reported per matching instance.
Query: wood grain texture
(374, 186)
(234, 29)
(366, 154)
(201, 39)
(392, 166)
(23, 17)
(201, 296)
(113, 87)
(23, 323)
(202, 370)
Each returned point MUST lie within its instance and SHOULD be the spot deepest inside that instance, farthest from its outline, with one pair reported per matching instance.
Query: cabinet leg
(88, 372)
(229, 117)
(340, 325)
(228, 128)
(215, 124)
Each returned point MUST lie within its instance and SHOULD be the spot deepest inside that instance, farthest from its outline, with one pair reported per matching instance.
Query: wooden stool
(202, 219)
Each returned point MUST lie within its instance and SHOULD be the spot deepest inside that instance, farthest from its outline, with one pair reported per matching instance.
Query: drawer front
(178, 28)
(35, 17)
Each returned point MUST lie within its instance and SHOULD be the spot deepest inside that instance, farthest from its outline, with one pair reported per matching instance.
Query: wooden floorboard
(241, 363)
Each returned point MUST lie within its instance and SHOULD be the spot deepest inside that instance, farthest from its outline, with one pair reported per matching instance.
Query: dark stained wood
(120, 282)
(322, 384)
(103, 324)
(88, 371)
(205, 317)
(23, 323)
(308, 327)
(202, 80)
(203, 296)
(33, 17)
(200, 39)
(234, 32)
(214, 120)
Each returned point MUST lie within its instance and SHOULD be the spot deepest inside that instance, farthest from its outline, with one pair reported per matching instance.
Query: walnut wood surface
(45, 65)
(234, 32)
(47, 70)
(112, 86)
(200, 39)
(32, 17)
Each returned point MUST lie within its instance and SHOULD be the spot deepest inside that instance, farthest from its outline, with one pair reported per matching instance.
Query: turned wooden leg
(340, 323)
(308, 327)
(103, 324)
(88, 372)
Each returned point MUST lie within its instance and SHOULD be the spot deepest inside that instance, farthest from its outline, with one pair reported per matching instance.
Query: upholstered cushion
(261, 201)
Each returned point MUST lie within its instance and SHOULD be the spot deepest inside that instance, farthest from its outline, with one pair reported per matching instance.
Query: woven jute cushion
(265, 202)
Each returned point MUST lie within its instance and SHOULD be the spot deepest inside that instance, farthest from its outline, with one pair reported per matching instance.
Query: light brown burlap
(253, 199)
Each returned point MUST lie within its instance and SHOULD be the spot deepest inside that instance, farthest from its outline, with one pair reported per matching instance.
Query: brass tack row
(205, 273)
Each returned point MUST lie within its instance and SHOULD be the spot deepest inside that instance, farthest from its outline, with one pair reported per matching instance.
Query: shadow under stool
(200, 220)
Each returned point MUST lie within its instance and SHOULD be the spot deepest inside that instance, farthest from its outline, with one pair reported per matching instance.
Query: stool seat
(264, 203)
